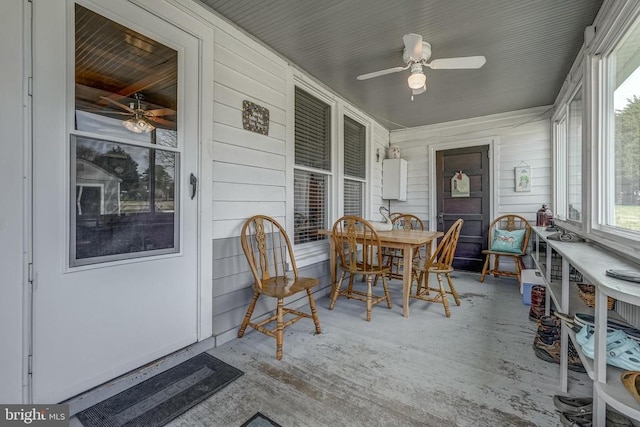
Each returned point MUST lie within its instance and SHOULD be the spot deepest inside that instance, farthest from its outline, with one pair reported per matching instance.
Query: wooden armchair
(359, 252)
(394, 257)
(266, 245)
(439, 263)
(508, 237)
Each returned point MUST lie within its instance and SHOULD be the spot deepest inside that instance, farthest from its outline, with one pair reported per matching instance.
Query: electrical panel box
(394, 179)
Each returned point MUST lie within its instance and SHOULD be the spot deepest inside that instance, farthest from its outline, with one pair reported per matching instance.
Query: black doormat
(259, 420)
(163, 397)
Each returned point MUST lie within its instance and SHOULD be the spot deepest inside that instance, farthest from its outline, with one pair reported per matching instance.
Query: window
(620, 150)
(312, 168)
(574, 158)
(560, 142)
(124, 149)
(354, 167)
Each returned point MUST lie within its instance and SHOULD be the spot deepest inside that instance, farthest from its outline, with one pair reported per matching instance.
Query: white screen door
(115, 142)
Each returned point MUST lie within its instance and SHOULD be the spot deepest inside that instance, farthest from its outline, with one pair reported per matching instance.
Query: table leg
(406, 278)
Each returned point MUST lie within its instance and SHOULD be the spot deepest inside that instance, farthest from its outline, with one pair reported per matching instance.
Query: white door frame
(492, 142)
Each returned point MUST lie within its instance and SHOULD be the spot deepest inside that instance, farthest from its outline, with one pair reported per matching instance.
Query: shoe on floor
(568, 419)
(575, 405)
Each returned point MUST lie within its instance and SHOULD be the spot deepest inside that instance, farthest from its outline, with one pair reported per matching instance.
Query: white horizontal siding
(379, 145)
(249, 170)
(521, 136)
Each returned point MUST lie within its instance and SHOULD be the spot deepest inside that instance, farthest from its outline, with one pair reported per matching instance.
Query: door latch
(194, 185)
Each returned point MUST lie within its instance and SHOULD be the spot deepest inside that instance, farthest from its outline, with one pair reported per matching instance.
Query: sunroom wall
(251, 171)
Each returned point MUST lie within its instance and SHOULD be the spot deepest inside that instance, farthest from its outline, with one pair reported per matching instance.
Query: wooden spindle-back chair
(268, 250)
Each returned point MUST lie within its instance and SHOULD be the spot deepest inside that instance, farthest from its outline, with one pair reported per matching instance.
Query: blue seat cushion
(507, 241)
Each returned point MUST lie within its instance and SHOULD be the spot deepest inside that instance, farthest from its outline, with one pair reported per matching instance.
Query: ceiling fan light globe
(417, 80)
(138, 125)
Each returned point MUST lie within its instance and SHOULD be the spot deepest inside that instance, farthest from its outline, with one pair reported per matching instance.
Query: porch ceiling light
(417, 79)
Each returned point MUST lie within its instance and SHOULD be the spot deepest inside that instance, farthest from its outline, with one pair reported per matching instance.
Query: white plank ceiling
(529, 45)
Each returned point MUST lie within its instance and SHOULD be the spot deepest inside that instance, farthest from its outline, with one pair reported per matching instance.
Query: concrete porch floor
(476, 368)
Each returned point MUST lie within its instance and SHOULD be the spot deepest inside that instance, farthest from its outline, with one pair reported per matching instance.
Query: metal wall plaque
(460, 185)
(255, 118)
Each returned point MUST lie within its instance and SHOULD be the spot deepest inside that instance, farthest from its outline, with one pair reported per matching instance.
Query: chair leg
(247, 317)
(279, 328)
(496, 266)
(350, 285)
(418, 278)
(314, 312)
(443, 296)
(336, 291)
(518, 268)
(485, 268)
(385, 285)
(454, 293)
(369, 299)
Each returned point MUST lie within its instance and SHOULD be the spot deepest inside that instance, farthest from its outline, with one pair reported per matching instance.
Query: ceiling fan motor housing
(426, 53)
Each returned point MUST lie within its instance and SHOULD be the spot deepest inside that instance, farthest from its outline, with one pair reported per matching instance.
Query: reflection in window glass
(574, 158)
(124, 199)
(624, 210)
(124, 202)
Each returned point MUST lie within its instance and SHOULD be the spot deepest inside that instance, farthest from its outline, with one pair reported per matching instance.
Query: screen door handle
(194, 185)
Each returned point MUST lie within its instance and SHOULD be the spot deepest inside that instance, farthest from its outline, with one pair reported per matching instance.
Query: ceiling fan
(416, 54)
(141, 119)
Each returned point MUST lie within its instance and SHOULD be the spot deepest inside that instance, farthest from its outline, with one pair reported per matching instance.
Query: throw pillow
(507, 241)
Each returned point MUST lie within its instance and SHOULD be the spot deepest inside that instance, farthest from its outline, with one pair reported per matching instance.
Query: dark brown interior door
(474, 209)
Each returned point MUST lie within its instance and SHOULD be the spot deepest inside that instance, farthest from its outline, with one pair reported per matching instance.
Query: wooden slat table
(407, 240)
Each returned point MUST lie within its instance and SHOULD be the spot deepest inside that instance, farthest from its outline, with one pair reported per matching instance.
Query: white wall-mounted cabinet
(394, 179)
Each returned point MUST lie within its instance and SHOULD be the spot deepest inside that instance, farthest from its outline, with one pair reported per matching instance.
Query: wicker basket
(587, 293)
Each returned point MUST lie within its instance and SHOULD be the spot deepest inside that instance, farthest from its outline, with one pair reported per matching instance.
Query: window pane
(354, 148)
(124, 201)
(353, 197)
(626, 145)
(125, 82)
(310, 206)
(312, 131)
(574, 158)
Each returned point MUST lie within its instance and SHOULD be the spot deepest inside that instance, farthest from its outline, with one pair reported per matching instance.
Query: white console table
(592, 262)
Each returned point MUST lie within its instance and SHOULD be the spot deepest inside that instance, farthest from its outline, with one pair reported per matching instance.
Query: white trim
(492, 142)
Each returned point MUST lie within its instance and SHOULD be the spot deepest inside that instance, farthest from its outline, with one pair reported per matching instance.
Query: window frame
(603, 146)
(362, 180)
(578, 223)
(327, 173)
(312, 252)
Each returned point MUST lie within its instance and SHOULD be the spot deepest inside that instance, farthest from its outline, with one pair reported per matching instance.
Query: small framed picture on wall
(523, 178)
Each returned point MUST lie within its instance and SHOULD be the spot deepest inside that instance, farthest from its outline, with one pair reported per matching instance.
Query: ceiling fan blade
(119, 113)
(413, 46)
(162, 121)
(124, 107)
(160, 112)
(381, 73)
(464, 62)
